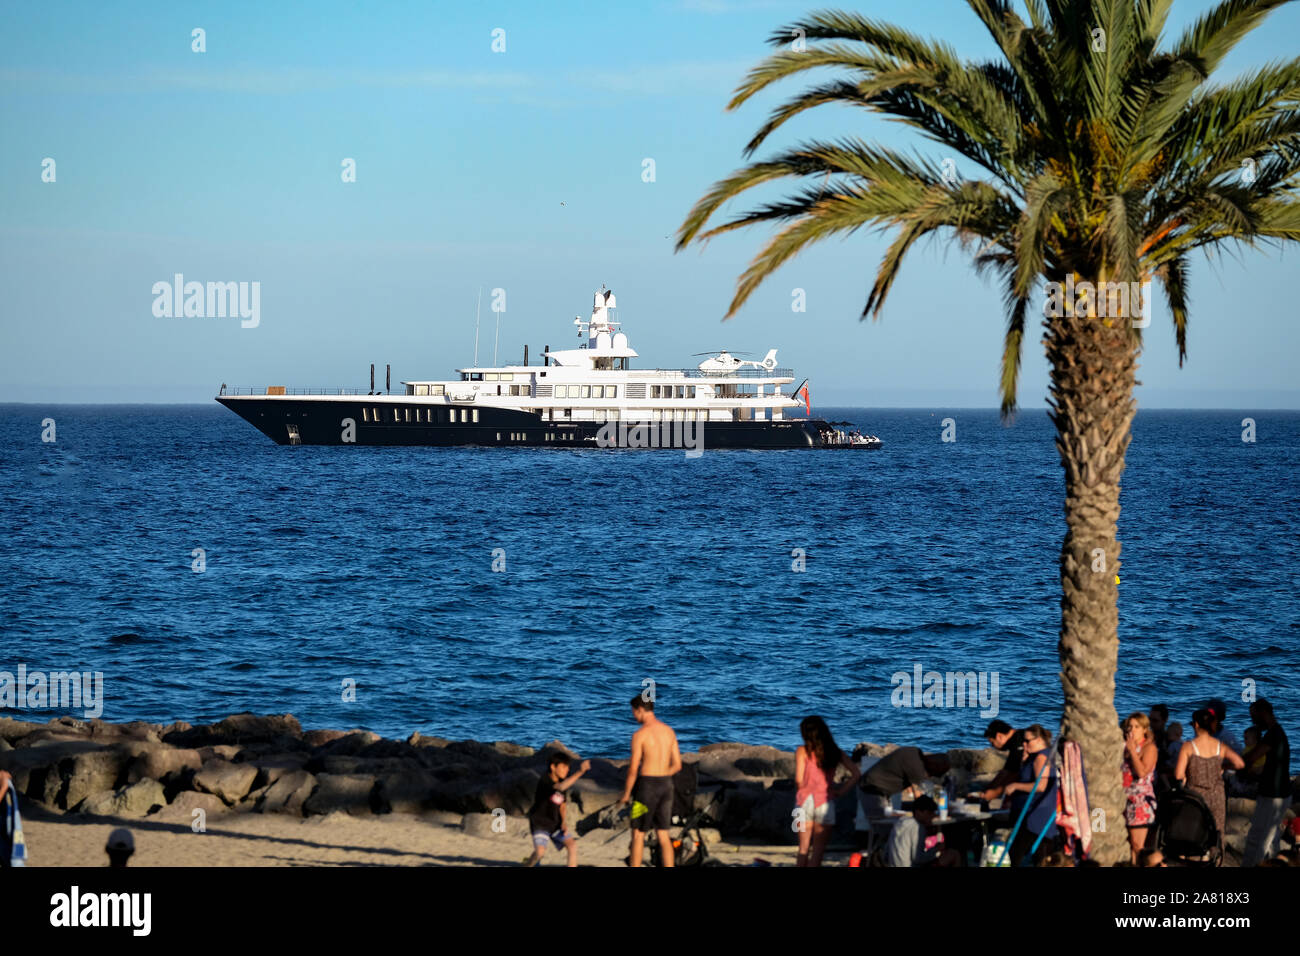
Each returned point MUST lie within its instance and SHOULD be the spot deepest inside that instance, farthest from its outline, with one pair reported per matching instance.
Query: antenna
(476, 314)
(497, 340)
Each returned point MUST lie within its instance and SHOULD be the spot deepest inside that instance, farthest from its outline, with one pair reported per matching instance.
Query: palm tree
(1104, 157)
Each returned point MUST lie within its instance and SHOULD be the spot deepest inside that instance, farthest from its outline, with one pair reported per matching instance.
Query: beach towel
(1073, 816)
(13, 849)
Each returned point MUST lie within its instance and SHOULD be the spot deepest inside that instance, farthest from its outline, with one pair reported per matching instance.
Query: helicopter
(725, 361)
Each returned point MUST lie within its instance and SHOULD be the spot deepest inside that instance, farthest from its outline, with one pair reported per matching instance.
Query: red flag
(807, 399)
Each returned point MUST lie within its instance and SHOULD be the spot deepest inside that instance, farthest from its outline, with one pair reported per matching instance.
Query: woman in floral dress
(1139, 781)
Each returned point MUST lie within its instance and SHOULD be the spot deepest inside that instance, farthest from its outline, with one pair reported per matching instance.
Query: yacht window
(476, 376)
(452, 415)
(365, 414)
(586, 391)
(407, 414)
(476, 414)
(491, 377)
(507, 376)
(611, 391)
(437, 389)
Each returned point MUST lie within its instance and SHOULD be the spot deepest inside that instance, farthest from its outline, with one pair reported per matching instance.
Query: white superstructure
(596, 382)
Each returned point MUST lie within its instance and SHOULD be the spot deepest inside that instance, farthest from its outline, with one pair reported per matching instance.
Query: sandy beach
(398, 839)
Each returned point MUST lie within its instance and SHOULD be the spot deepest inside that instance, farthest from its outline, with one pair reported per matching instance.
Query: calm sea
(326, 565)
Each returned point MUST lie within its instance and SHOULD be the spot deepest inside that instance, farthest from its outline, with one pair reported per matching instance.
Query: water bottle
(943, 803)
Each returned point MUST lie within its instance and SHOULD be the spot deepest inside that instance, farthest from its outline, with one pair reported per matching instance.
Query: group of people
(1156, 758)
(648, 790)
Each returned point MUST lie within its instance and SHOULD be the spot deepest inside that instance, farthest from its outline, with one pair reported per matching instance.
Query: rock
(347, 745)
(873, 750)
(229, 781)
(50, 735)
(557, 745)
(219, 752)
(737, 762)
(240, 729)
(772, 815)
(70, 724)
(11, 730)
(512, 750)
(738, 804)
(135, 730)
(974, 762)
(418, 739)
(270, 769)
(497, 826)
(347, 793)
(409, 792)
(590, 796)
(319, 738)
(181, 809)
(179, 727)
(134, 800)
(288, 794)
(5, 745)
(383, 749)
(162, 762)
(35, 768)
(85, 774)
(516, 790)
(476, 754)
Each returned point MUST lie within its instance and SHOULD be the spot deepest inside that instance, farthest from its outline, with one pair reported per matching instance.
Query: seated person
(895, 772)
(1245, 782)
(908, 839)
(1001, 736)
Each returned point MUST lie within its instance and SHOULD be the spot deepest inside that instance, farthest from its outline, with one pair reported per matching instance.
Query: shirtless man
(655, 760)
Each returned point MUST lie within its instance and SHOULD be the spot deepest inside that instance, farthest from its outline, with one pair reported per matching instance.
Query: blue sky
(519, 170)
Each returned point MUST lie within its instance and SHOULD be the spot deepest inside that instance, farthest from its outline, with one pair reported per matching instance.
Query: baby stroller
(689, 848)
(1186, 831)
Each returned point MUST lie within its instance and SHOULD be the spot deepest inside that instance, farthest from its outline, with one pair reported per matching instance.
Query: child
(1245, 782)
(1174, 733)
(816, 763)
(546, 818)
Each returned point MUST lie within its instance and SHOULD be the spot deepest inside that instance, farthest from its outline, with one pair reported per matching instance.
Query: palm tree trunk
(1094, 366)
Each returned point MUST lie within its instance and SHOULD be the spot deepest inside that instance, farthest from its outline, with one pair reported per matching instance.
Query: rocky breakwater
(268, 764)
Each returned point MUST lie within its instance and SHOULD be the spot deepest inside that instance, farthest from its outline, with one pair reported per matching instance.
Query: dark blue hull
(287, 421)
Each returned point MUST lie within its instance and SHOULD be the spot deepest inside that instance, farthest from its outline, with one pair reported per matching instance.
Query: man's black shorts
(655, 794)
